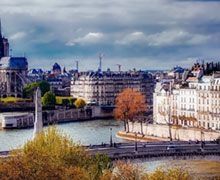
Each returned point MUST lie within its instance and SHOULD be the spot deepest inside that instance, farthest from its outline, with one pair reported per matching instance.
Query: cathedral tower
(1, 42)
(4, 45)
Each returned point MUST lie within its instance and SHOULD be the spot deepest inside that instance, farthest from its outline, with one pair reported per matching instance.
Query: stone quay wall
(62, 115)
(178, 133)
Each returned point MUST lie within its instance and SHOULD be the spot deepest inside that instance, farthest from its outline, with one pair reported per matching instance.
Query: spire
(0, 27)
(1, 42)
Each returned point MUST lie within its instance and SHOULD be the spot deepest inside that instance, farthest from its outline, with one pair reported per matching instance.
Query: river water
(85, 132)
(98, 131)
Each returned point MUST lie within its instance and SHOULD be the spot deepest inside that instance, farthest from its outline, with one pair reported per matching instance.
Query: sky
(141, 34)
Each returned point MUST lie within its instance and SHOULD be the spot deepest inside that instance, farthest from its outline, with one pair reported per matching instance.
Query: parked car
(173, 148)
(200, 149)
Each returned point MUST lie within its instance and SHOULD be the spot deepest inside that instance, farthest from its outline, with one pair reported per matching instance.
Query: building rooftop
(13, 63)
(110, 74)
(56, 66)
(14, 114)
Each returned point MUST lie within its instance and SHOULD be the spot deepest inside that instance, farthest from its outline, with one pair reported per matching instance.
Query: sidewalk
(140, 138)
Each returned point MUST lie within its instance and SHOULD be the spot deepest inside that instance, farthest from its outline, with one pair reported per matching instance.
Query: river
(85, 132)
(98, 131)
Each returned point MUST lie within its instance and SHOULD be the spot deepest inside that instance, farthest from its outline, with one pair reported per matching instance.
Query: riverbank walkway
(156, 149)
(137, 150)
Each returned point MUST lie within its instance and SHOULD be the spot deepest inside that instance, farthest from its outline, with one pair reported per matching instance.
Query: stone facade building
(16, 120)
(13, 71)
(101, 88)
(196, 104)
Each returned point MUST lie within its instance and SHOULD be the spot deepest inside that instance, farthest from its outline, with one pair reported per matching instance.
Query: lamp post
(135, 142)
(110, 137)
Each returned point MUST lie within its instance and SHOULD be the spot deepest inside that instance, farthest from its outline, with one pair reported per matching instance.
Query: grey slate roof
(13, 63)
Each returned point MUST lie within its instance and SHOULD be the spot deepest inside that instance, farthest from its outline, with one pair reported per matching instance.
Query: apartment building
(101, 88)
(196, 104)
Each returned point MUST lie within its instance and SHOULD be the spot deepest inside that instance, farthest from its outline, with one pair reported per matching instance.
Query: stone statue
(38, 124)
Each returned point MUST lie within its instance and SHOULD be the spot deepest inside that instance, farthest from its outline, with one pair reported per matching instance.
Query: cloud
(90, 38)
(17, 36)
(160, 30)
(208, 1)
(165, 38)
(176, 37)
(132, 38)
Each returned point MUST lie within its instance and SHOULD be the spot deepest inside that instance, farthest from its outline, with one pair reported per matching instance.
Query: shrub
(80, 103)
(49, 99)
(29, 89)
(65, 102)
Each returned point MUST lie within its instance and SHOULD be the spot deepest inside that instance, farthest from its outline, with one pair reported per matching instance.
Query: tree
(65, 102)
(52, 155)
(72, 100)
(44, 87)
(130, 104)
(171, 173)
(129, 171)
(29, 89)
(165, 110)
(49, 99)
(80, 103)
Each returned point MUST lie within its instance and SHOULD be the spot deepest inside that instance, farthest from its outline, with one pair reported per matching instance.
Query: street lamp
(135, 142)
(110, 137)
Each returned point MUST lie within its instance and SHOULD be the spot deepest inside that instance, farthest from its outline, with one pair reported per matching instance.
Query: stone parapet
(180, 133)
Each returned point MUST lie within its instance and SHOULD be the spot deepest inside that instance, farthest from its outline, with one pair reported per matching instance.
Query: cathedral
(13, 71)
(4, 45)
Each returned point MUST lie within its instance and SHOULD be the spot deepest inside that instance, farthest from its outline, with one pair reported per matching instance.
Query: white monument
(38, 124)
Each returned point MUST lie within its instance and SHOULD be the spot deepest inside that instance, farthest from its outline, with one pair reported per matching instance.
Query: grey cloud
(164, 38)
(139, 29)
(208, 1)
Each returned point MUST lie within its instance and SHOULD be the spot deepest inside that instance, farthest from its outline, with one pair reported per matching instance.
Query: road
(151, 149)
(155, 149)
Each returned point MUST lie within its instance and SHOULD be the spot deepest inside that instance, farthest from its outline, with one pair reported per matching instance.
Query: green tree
(65, 102)
(49, 99)
(72, 100)
(80, 103)
(29, 89)
(44, 87)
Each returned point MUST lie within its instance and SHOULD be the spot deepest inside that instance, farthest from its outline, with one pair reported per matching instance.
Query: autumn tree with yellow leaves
(52, 155)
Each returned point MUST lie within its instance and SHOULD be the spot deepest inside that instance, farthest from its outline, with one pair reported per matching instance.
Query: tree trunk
(170, 132)
(132, 126)
(128, 126)
(125, 125)
(142, 127)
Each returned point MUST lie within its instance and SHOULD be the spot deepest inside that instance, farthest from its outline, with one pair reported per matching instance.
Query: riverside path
(133, 150)
(156, 149)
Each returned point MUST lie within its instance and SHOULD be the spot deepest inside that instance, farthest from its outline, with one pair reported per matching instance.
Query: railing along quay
(117, 151)
(137, 155)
